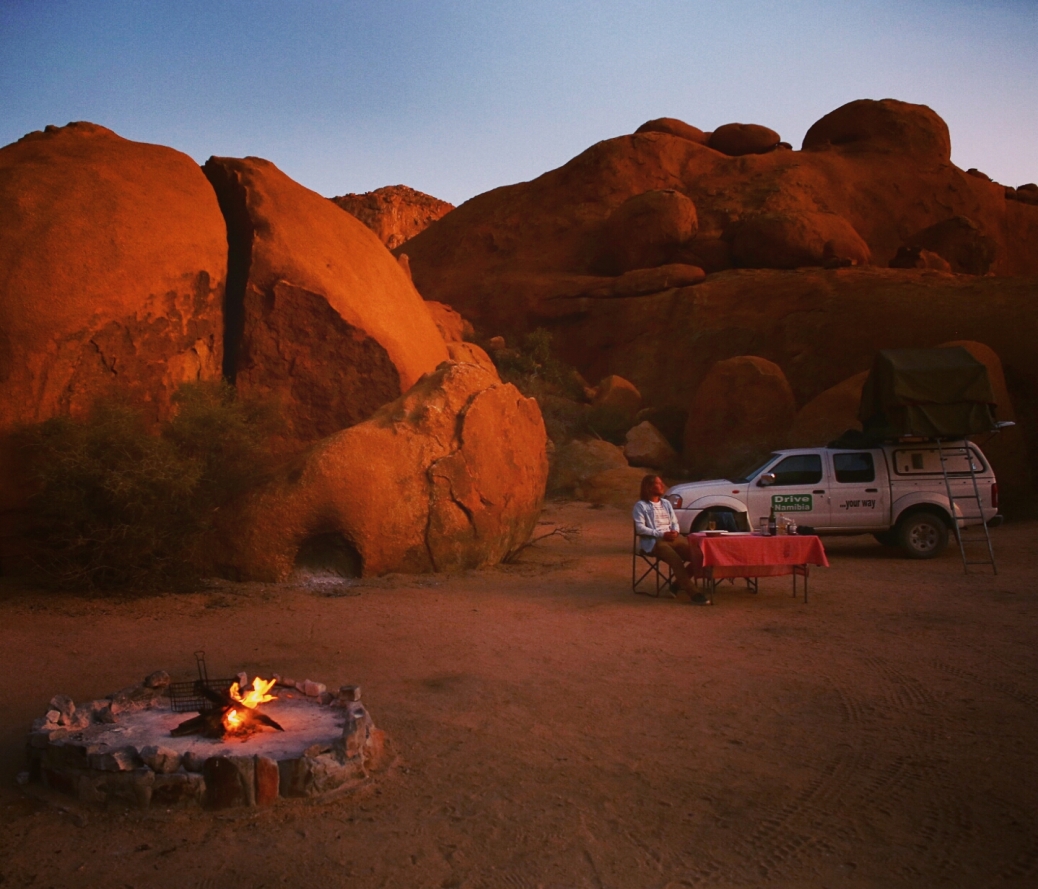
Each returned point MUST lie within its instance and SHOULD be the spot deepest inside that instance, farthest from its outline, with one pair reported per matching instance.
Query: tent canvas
(932, 393)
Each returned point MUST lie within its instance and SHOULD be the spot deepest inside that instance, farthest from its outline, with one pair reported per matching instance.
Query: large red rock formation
(320, 315)
(113, 257)
(447, 477)
(395, 213)
(515, 257)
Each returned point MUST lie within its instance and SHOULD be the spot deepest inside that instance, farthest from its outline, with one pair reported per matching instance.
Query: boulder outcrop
(959, 241)
(886, 126)
(581, 459)
(395, 213)
(743, 408)
(674, 127)
(737, 139)
(320, 316)
(915, 257)
(114, 258)
(872, 175)
(646, 446)
(449, 476)
(795, 240)
(647, 230)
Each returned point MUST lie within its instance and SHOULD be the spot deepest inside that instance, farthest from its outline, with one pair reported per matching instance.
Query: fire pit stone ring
(120, 749)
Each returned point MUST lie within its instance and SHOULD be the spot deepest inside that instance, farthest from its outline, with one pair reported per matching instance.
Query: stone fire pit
(119, 749)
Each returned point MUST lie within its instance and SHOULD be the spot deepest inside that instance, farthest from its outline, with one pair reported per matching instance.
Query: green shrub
(117, 505)
(535, 370)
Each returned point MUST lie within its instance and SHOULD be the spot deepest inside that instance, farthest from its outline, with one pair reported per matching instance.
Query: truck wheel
(922, 535)
(887, 538)
(703, 519)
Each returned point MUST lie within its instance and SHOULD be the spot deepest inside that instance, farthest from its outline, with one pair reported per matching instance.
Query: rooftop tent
(932, 393)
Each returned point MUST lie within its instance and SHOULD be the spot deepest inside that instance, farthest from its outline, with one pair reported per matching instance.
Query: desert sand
(552, 729)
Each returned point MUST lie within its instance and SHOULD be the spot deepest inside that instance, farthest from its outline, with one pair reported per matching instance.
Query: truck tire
(922, 535)
(703, 519)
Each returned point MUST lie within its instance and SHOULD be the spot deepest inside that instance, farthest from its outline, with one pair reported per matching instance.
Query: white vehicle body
(851, 491)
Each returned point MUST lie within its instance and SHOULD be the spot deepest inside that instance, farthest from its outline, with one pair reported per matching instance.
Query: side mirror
(766, 480)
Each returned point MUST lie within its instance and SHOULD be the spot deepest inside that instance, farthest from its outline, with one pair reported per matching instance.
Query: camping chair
(653, 570)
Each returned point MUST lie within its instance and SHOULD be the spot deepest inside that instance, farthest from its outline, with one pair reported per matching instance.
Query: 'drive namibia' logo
(792, 502)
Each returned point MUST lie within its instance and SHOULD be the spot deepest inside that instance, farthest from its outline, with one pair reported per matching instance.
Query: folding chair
(653, 571)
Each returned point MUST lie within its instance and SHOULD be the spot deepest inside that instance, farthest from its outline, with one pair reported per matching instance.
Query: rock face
(395, 213)
(743, 408)
(114, 258)
(320, 316)
(447, 477)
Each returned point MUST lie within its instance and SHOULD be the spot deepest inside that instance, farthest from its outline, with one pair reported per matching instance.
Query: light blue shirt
(645, 523)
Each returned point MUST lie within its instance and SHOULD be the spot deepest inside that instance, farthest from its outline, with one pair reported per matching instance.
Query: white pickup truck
(895, 491)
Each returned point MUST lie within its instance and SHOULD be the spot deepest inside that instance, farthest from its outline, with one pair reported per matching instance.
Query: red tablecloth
(751, 555)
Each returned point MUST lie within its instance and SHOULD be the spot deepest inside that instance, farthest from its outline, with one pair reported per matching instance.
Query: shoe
(700, 599)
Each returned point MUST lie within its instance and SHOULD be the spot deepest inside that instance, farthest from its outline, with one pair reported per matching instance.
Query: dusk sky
(455, 98)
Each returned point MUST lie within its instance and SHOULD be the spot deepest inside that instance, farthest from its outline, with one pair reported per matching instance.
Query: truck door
(859, 492)
(799, 492)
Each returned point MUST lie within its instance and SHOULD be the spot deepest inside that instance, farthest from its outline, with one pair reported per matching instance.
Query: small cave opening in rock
(328, 555)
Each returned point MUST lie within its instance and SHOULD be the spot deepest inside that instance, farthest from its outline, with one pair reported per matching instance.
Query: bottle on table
(772, 527)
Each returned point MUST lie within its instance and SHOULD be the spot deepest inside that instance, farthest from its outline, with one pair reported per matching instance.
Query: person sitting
(658, 534)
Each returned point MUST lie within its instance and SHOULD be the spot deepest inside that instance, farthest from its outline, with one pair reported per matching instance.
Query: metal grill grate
(187, 697)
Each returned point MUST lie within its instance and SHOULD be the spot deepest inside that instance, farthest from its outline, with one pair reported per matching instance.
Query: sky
(455, 97)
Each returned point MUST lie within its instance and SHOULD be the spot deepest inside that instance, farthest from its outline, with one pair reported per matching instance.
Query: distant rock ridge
(395, 213)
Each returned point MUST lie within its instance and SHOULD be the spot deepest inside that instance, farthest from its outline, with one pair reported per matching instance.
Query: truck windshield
(752, 473)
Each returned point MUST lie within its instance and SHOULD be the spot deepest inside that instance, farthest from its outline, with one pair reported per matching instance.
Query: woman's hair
(646, 484)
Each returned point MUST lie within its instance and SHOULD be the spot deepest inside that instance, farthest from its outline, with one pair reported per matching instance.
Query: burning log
(234, 714)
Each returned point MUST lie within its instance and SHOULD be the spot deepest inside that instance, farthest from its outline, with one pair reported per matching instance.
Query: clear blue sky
(455, 97)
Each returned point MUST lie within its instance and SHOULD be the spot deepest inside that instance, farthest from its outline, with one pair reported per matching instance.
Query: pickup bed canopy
(932, 393)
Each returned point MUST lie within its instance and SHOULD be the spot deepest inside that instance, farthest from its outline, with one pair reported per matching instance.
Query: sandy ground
(554, 730)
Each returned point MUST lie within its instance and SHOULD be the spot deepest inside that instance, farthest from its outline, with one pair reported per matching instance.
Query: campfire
(231, 714)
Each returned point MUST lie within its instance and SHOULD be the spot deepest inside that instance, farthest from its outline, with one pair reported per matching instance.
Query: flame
(258, 695)
(232, 720)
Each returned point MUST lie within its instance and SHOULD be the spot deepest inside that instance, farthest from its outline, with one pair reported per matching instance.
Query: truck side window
(799, 469)
(851, 468)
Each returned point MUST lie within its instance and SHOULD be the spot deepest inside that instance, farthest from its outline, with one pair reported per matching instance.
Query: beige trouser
(675, 554)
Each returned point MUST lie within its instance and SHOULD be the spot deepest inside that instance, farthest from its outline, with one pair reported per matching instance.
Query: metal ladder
(960, 532)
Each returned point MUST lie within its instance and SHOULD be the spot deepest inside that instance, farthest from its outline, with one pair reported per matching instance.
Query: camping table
(719, 556)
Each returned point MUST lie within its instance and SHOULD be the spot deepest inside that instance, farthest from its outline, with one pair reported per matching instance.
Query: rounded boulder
(114, 257)
(647, 230)
(796, 240)
(321, 317)
(883, 125)
(738, 139)
(449, 476)
(742, 409)
(674, 127)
